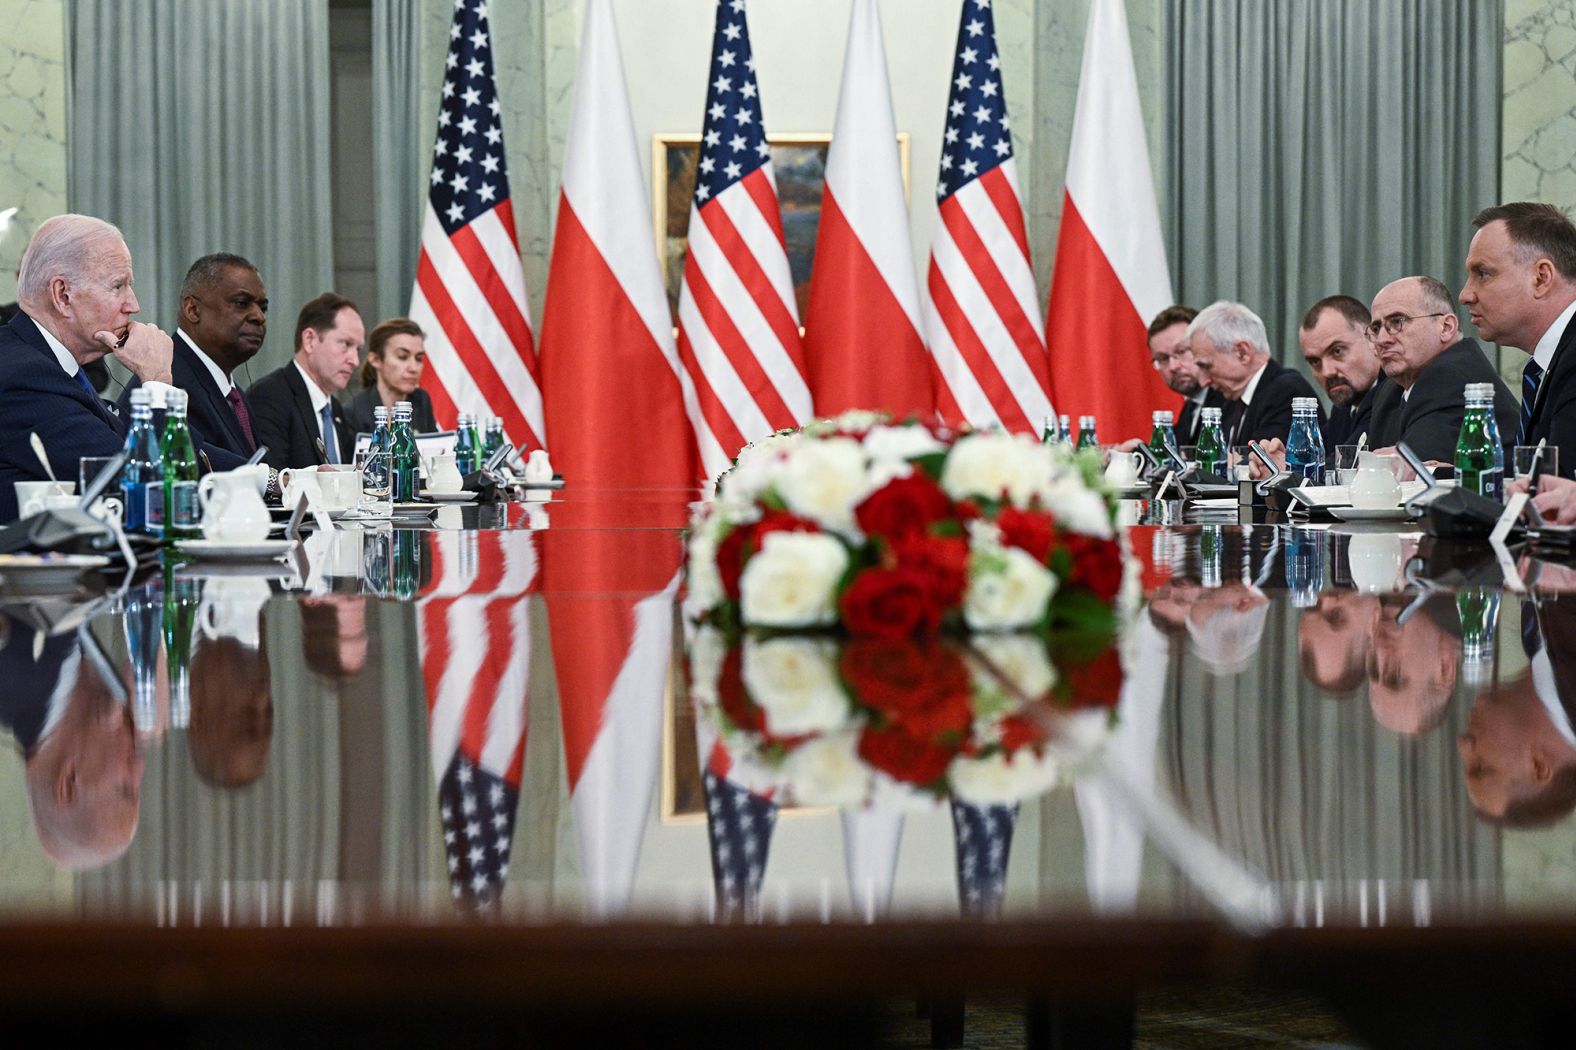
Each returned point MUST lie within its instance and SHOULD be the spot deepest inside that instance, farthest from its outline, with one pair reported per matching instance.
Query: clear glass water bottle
(1305, 445)
(142, 474)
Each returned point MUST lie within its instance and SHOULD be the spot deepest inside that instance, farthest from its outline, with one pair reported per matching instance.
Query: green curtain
(200, 126)
(400, 158)
(1324, 146)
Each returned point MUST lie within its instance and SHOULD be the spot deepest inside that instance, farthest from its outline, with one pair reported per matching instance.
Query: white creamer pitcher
(232, 510)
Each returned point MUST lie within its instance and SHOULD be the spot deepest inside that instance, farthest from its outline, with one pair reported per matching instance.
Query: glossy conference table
(456, 773)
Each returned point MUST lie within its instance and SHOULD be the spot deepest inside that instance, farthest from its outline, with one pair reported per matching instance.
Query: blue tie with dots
(1531, 376)
(330, 436)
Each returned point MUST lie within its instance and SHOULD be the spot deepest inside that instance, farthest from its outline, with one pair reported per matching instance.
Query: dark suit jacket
(1269, 414)
(1349, 422)
(1554, 412)
(1429, 419)
(29, 681)
(1188, 418)
(36, 396)
(282, 419)
(206, 408)
(358, 414)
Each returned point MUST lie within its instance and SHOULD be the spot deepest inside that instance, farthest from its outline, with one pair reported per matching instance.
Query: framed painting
(799, 164)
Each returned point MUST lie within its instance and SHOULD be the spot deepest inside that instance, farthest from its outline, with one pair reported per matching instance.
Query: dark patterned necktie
(238, 404)
(1531, 376)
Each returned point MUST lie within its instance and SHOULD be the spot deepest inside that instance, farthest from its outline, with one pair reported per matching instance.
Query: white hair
(61, 247)
(1227, 640)
(1226, 323)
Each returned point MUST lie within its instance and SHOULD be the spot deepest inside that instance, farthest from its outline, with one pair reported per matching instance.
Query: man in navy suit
(75, 290)
(294, 411)
(223, 320)
(1521, 291)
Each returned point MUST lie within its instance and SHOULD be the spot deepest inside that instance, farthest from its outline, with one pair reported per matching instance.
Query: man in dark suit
(1521, 291)
(1232, 350)
(77, 306)
(223, 319)
(293, 409)
(1418, 337)
(1334, 341)
(1169, 353)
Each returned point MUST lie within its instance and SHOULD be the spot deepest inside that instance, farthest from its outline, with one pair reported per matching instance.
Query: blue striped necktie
(1531, 376)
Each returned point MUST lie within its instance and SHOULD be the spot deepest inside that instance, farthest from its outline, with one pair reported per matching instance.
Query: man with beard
(1169, 353)
(1334, 340)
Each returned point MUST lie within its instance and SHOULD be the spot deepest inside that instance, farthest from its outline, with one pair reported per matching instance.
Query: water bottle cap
(1162, 418)
(380, 412)
(175, 400)
(1305, 404)
(140, 397)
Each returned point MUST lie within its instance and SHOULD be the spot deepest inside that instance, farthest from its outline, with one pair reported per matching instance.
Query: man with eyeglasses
(1418, 338)
(1521, 292)
(1171, 358)
(1334, 341)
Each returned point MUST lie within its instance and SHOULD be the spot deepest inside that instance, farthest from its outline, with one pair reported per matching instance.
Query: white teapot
(1375, 486)
(442, 473)
(232, 509)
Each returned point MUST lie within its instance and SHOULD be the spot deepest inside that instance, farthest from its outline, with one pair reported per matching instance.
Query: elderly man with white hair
(1232, 353)
(76, 305)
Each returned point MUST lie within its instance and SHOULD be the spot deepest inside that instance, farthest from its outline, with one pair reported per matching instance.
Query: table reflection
(1353, 719)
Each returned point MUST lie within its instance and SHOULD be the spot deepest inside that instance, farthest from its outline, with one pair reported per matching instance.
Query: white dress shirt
(1253, 385)
(68, 364)
(319, 399)
(214, 370)
(1543, 353)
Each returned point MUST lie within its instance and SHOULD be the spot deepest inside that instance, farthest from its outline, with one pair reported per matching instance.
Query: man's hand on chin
(146, 350)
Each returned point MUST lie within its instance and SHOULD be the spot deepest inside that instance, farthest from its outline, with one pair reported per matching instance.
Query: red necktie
(238, 403)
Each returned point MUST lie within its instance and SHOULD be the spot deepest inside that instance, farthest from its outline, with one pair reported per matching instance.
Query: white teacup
(332, 488)
(31, 495)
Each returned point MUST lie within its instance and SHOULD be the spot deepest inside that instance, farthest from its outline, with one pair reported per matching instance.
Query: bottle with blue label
(1304, 566)
(142, 478)
(1305, 445)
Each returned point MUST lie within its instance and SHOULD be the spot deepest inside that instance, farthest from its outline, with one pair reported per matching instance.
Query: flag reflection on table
(476, 657)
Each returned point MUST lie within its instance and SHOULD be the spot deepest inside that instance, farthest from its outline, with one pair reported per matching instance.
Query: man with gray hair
(1417, 335)
(1232, 352)
(77, 304)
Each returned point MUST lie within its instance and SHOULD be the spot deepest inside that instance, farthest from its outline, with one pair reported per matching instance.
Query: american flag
(475, 636)
(739, 824)
(981, 312)
(470, 288)
(983, 836)
(738, 323)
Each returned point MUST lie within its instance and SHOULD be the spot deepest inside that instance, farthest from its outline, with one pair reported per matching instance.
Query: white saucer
(1370, 513)
(448, 497)
(218, 550)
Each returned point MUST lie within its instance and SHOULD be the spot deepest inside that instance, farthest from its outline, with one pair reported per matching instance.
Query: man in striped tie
(1521, 291)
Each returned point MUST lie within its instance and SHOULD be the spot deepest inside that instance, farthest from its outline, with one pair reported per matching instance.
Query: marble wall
(1539, 133)
(32, 124)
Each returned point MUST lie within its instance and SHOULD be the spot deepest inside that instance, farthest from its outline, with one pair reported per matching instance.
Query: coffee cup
(31, 495)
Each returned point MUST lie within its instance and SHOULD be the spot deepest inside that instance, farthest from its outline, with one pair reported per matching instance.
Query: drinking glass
(1346, 463)
(88, 468)
(376, 481)
(1523, 460)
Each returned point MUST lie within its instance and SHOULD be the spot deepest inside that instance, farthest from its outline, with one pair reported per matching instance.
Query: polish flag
(863, 346)
(1111, 276)
(614, 391)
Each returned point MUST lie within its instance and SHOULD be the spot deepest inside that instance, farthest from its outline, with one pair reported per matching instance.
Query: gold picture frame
(799, 165)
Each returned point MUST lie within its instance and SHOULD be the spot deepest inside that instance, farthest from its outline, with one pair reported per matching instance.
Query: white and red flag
(738, 323)
(862, 323)
(470, 288)
(616, 394)
(982, 315)
(1111, 276)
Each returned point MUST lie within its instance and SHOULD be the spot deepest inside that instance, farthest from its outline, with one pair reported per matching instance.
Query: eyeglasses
(1395, 322)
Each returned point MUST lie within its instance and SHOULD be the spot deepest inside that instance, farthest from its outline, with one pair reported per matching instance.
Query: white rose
(1007, 589)
(827, 771)
(901, 443)
(1078, 507)
(707, 651)
(758, 466)
(999, 779)
(794, 681)
(990, 464)
(822, 480)
(1022, 660)
(705, 582)
(791, 581)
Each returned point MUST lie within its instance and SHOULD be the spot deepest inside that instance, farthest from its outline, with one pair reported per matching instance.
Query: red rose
(903, 506)
(1096, 564)
(1030, 530)
(738, 546)
(1097, 682)
(924, 686)
(903, 757)
(888, 603)
(1019, 731)
(943, 562)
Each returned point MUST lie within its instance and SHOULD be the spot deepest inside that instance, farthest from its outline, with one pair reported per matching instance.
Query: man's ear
(59, 292)
(1544, 277)
(66, 783)
(190, 309)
